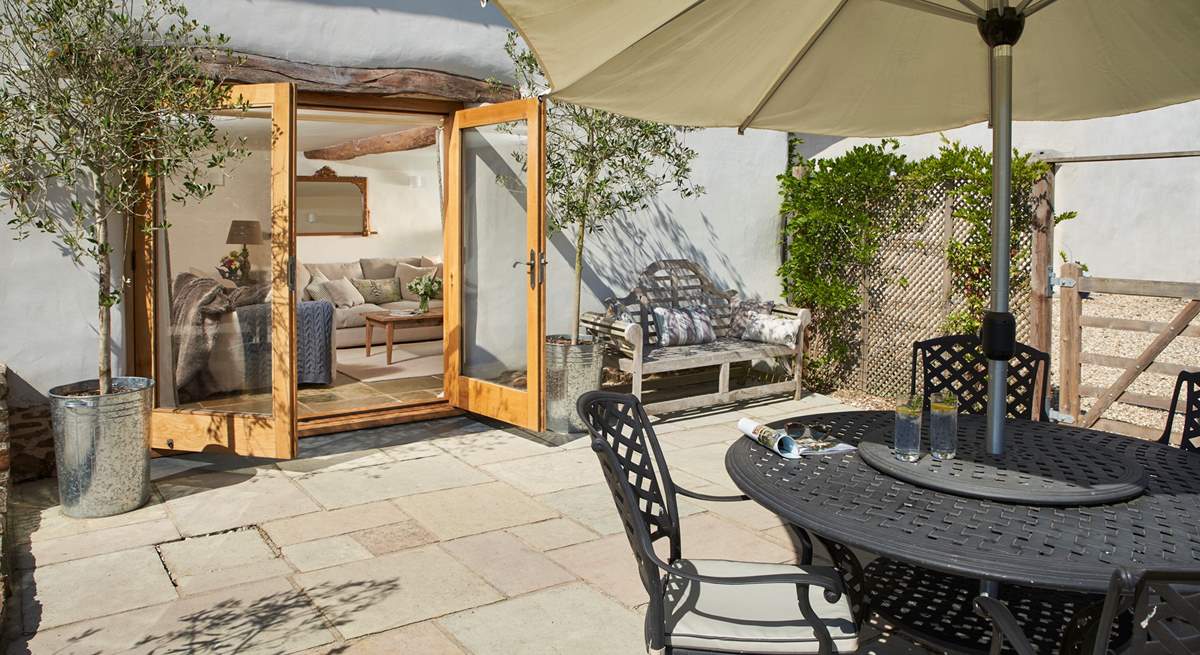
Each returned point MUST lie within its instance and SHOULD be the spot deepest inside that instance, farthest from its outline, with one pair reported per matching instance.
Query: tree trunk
(104, 273)
(575, 301)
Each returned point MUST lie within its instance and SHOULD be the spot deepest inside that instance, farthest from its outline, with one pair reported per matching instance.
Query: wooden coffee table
(390, 321)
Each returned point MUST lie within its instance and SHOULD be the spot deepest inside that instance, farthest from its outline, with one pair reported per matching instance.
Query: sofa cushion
(315, 289)
(378, 291)
(378, 268)
(407, 273)
(303, 279)
(758, 618)
(342, 292)
(352, 317)
(337, 271)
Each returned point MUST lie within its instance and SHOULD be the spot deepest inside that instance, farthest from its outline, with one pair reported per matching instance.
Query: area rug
(408, 360)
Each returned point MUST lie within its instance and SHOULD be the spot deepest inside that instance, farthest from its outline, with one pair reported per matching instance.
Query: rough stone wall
(4, 482)
(30, 443)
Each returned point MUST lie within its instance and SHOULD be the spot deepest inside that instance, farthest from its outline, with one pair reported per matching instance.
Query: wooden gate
(1072, 356)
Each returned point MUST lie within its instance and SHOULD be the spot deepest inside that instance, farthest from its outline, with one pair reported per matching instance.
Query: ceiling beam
(391, 82)
(411, 139)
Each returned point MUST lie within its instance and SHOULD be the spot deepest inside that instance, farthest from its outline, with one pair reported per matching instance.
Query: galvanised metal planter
(101, 446)
(571, 371)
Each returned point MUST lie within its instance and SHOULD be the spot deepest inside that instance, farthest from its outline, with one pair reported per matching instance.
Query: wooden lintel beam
(411, 139)
(391, 82)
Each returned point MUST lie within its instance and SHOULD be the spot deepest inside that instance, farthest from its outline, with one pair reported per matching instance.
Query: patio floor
(436, 538)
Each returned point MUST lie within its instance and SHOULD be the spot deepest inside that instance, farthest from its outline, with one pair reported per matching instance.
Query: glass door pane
(495, 260)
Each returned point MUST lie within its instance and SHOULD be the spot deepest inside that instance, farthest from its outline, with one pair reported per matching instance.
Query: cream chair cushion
(753, 618)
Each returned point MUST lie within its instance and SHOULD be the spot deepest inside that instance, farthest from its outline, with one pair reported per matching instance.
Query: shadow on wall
(630, 243)
(468, 12)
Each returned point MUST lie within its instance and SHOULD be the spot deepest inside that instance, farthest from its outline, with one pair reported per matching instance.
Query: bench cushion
(721, 351)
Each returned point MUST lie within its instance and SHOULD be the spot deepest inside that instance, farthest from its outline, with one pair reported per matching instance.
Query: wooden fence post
(1070, 336)
(1041, 262)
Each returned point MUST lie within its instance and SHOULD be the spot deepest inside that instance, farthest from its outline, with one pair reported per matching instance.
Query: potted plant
(425, 287)
(599, 166)
(99, 100)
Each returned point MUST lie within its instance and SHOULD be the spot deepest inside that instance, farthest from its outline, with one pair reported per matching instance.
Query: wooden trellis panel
(908, 295)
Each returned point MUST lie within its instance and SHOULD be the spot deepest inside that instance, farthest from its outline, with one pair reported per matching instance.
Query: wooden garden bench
(681, 284)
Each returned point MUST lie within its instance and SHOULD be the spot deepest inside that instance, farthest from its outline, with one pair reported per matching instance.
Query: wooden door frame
(141, 269)
(487, 398)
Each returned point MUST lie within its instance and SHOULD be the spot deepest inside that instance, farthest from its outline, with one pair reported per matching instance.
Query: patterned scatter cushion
(683, 327)
(378, 292)
(314, 289)
(342, 293)
(766, 328)
(743, 310)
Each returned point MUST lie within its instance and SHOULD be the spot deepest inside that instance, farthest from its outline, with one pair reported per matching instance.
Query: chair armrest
(716, 499)
(831, 583)
(1004, 623)
(627, 335)
(798, 313)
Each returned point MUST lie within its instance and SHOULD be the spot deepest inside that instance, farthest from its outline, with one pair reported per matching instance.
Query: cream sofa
(348, 322)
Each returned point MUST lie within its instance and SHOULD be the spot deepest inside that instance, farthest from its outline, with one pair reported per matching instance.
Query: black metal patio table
(1135, 502)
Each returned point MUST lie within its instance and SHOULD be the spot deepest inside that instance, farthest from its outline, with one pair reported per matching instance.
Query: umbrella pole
(1000, 28)
(1001, 231)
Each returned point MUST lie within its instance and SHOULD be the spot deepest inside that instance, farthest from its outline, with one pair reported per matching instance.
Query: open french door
(495, 265)
(225, 380)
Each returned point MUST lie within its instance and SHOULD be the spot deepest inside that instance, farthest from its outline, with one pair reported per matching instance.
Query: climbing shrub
(837, 212)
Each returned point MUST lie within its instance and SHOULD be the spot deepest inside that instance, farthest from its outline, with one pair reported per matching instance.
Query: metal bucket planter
(571, 371)
(101, 446)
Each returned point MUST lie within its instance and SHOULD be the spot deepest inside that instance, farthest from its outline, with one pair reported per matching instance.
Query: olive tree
(600, 165)
(99, 101)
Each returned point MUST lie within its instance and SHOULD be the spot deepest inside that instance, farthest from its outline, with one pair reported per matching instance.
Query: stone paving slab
(269, 616)
(497, 506)
(323, 553)
(558, 470)
(507, 563)
(393, 537)
(318, 525)
(59, 594)
(394, 590)
(211, 502)
(96, 542)
(334, 489)
(222, 560)
(570, 619)
(555, 533)
(417, 639)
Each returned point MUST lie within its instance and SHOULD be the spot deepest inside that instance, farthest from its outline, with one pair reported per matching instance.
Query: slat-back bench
(681, 284)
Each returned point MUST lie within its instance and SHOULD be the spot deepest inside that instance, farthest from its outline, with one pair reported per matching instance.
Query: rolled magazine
(789, 447)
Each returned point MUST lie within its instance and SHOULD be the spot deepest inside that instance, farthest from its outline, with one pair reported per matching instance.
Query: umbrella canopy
(874, 68)
(857, 67)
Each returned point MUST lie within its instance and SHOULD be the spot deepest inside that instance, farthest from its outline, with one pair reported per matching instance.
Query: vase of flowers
(425, 287)
(235, 267)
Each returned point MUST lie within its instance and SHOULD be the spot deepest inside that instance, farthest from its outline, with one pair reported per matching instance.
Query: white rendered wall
(1137, 219)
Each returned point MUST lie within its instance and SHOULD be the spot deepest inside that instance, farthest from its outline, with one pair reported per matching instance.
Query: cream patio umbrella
(874, 68)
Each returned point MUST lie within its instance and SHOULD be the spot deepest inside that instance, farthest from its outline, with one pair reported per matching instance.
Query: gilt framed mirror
(329, 204)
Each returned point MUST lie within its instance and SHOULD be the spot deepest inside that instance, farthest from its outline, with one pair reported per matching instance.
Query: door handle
(542, 265)
(530, 268)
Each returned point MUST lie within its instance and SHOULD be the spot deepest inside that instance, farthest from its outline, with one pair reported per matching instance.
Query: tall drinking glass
(908, 428)
(943, 425)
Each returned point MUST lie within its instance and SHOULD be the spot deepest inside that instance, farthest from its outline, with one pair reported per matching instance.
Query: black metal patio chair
(956, 362)
(1165, 621)
(1191, 410)
(707, 607)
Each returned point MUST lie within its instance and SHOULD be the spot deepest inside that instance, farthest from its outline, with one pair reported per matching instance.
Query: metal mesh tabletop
(841, 498)
(1042, 465)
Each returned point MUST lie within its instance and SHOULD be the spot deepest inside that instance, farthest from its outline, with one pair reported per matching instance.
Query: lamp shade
(244, 232)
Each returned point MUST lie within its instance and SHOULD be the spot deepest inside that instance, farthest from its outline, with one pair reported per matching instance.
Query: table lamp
(245, 233)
